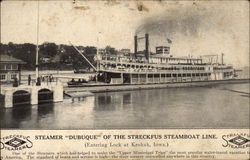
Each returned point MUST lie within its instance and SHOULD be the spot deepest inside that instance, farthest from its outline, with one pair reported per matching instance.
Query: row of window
(3, 77)
(151, 60)
(176, 60)
(172, 75)
(169, 68)
(180, 75)
(230, 67)
(185, 68)
(8, 67)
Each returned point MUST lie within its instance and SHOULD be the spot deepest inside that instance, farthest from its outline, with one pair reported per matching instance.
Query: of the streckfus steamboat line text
(143, 136)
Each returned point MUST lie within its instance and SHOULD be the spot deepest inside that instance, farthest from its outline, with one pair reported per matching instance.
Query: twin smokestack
(146, 45)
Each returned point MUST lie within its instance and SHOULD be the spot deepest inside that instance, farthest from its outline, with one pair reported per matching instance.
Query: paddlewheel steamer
(145, 67)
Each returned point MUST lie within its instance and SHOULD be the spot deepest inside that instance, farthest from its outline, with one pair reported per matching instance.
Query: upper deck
(125, 64)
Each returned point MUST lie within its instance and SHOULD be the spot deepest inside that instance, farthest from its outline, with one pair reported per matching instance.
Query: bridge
(31, 94)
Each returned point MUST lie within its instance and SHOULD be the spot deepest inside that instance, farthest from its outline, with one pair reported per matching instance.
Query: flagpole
(37, 41)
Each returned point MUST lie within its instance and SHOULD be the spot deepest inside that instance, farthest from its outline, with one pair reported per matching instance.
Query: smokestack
(222, 60)
(146, 45)
(135, 47)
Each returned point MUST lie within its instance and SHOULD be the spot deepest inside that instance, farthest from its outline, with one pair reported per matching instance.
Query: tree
(90, 50)
(48, 49)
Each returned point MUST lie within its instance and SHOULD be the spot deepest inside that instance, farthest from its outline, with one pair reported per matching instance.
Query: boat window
(2, 66)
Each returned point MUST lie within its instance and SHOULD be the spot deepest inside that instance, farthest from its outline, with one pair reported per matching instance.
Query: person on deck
(29, 79)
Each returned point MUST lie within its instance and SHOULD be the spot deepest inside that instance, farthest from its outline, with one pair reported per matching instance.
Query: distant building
(45, 59)
(56, 58)
(125, 51)
(10, 68)
(101, 51)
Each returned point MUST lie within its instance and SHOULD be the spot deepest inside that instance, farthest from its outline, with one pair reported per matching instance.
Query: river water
(217, 106)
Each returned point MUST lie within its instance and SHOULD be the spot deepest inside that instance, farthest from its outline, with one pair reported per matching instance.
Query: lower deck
(152, 78)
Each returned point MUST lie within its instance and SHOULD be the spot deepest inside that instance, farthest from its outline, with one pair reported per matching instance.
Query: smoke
(200, 29)
(173, 24)
(186, 21)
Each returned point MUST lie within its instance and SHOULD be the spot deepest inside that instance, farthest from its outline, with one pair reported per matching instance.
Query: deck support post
(138, 79)
(160, 77)
(105, 77)
(130, 76)
(153, 78)
(122, 78)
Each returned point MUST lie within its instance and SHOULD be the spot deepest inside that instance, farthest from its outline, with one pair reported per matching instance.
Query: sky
(194, 27)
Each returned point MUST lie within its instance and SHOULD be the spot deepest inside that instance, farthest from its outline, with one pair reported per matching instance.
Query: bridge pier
(8, 93)
(58, 93)
(8, 99)
(34, 96)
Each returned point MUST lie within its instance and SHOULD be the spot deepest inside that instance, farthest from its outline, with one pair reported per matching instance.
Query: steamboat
(144, 67)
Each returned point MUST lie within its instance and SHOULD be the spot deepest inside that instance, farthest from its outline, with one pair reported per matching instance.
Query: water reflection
(104, 102)
(21, 113)
(209, 107)
(45, 109)
(127, 98)
(103, 99)
(112, 101)
(13, 117)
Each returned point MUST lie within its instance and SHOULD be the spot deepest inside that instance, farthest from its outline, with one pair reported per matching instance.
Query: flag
(169, 40)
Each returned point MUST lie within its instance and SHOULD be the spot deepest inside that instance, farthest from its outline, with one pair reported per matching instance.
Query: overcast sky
(195, 28)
